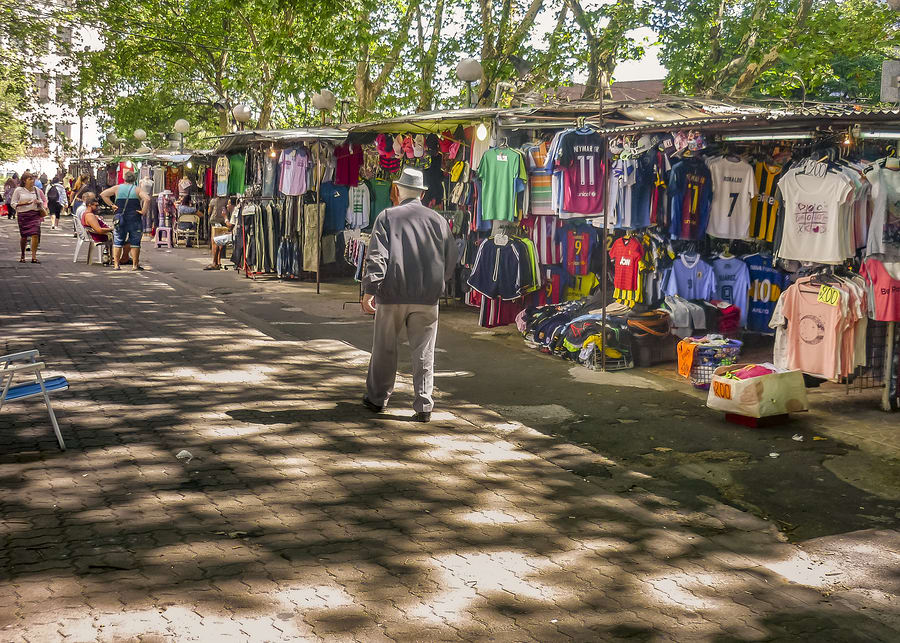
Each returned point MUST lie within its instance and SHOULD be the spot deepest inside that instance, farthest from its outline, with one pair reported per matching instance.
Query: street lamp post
(324, 101)
(182, 127)
(469, 70)
(241, 114)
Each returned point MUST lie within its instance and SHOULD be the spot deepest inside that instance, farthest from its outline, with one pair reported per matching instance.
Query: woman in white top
(31, 208)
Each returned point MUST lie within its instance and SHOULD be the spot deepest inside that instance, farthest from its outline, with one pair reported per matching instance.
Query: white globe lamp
(182, 126)
(140, 134)
(469, 70)
(241, 114)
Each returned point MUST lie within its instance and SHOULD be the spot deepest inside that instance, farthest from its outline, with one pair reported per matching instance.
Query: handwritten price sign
(829, 295)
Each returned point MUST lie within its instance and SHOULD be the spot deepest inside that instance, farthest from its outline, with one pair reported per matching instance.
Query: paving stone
(300, 519)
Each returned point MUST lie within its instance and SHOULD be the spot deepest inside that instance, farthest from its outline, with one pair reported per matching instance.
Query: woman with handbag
(131, 203)
(31, 207)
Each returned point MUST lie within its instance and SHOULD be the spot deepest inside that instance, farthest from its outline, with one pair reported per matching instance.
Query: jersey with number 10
(581, 159)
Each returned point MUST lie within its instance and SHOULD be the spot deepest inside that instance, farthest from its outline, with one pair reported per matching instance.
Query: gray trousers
(421, 323)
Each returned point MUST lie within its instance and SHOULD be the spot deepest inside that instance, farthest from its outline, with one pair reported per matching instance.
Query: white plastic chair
(85, 238)
(39, 386)
(188, 235)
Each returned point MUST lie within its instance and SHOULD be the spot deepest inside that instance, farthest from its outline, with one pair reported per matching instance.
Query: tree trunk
(368, 90)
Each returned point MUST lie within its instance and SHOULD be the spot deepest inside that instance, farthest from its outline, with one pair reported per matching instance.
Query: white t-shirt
(814, 217)
(733, 185)
(885, 223)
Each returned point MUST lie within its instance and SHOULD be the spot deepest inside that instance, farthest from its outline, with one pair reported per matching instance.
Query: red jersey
(581, 159)
(626, 255)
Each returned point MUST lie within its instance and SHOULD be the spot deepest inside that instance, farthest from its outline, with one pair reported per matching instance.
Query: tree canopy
(160, 60)
(825, 49)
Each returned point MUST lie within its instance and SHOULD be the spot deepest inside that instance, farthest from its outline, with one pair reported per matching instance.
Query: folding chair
(39, 386)
(84, 237)
(188, 235)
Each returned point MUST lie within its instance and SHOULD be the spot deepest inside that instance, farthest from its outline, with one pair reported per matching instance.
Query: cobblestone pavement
(301, 517)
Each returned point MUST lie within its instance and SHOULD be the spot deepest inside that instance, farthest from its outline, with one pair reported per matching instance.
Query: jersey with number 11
(581, 161)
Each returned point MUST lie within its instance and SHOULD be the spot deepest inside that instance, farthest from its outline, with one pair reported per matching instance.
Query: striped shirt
(540, 181)
(764, 206)
(542, 230)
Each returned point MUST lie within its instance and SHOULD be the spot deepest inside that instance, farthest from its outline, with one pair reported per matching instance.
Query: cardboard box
(758, 397)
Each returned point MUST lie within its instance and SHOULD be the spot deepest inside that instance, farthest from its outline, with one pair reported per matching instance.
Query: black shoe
(422, 416)
(369, 404)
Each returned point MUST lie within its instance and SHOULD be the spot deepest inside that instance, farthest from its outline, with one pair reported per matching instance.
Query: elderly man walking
(411, 256)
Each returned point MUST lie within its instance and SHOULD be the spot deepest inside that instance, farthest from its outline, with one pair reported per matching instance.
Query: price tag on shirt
(829, 295)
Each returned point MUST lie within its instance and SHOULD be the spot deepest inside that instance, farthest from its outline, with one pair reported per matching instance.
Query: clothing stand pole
(888, 367)
(604, 270)
(317, 186)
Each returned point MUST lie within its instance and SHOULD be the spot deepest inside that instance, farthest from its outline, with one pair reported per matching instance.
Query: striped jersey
(540, 181)
(542, 230)
(764, 207)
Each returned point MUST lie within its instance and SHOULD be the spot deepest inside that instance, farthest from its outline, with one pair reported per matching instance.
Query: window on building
(43, 88)
(63, 83)
(38, 135)
(63, 39)
(64, 130)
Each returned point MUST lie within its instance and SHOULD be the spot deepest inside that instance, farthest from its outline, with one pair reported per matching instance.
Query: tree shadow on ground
(299, 506)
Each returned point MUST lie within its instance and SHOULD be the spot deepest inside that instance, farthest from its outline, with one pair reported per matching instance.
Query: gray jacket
(411, 255)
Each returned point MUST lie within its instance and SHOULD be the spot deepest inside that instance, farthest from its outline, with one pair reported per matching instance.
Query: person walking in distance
(31, 207)
(8, 188)
(411, 256)
(129, 206)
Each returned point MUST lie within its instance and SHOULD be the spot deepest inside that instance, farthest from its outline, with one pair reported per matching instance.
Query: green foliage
(775, 48)
(12, 127)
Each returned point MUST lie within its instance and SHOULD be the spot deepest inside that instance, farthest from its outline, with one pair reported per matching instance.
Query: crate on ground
(699, 357)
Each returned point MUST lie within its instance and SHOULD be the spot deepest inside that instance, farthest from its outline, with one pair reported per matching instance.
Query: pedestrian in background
(411, 256)
(31, 208)
(57, 201)
(8, 188)
(41, 182)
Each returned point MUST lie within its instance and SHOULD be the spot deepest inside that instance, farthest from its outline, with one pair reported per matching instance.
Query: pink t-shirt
(294, 163)
(815, 331)
(885, 289)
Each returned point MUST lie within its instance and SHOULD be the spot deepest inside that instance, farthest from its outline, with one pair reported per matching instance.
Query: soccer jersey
(642, 190)
(626, 254)
(582, 286)
(500, 171)
(733, 284)
(556, 280)
(583, 171)
(690, 196)
(733, 186)
(658, 209)
(690, 278)
(577, 246)
(542, 230)
(766, 285)
(764, 207)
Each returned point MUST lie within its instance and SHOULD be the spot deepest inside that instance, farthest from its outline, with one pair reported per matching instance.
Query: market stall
(281, 179)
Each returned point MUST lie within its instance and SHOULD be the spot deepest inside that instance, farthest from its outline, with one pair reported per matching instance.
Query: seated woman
(93, 224)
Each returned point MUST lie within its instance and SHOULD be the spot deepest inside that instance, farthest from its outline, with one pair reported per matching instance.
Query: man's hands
(368, 304)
